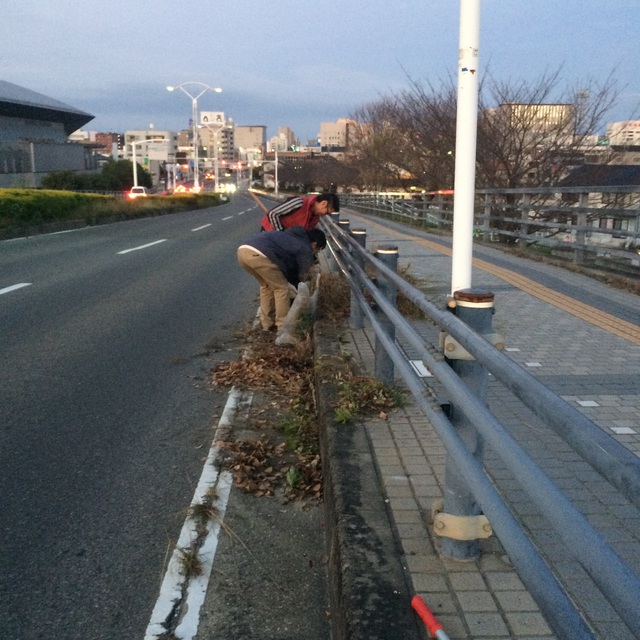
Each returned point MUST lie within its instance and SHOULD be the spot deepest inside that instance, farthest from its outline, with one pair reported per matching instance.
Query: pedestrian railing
(467, 351)
(587, 224)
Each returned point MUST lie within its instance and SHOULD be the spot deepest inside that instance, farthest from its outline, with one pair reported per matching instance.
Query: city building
(106, 145)
(153, 149)
(624, 134)
(34, 132)
(284, 141)
(250, 143)
(337, 135)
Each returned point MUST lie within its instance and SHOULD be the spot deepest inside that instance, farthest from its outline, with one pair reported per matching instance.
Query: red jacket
(291, 213)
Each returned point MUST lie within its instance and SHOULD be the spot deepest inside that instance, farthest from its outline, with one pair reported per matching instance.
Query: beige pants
(274, 288)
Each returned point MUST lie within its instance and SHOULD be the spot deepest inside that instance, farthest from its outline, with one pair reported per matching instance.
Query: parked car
(138, 192)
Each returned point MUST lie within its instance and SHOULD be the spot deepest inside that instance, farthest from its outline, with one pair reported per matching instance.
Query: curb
(369, 589)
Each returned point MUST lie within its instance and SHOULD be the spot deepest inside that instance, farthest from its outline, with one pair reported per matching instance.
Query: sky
(298, 63)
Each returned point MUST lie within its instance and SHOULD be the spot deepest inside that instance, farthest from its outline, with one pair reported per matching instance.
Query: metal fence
(460, 362)
(600, 225)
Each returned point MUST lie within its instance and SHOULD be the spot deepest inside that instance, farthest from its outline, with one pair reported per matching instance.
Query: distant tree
(409, 139)
(116, 175)
(323, 173)
(530, 134)
(62, 181)
(377, 145)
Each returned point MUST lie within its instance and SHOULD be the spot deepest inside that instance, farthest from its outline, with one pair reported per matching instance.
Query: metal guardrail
(589, 223)
(616, 581)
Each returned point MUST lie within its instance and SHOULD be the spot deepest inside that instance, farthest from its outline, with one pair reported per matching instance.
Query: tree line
(529, 134)
(115, 175)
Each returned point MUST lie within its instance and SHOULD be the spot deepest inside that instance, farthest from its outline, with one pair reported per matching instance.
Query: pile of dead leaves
(264, 469)
(267, 366)
(283, 379)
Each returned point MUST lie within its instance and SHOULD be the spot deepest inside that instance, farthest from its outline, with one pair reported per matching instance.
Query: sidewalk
(592, 369)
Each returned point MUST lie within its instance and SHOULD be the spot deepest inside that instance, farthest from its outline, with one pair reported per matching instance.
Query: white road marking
(144, 246)
(228, 218)
(13, 287)
(204, 226)
(176, 589)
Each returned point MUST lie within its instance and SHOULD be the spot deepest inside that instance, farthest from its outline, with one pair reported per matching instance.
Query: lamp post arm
(135, 161)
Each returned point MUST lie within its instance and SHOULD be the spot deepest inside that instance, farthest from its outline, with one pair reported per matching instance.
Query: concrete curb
(369, 589)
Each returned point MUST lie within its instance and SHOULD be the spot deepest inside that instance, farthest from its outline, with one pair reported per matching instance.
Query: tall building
(250, 143)
(216, 143)
(284, 141)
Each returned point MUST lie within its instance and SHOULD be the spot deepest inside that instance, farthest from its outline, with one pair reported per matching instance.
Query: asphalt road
(104, 414)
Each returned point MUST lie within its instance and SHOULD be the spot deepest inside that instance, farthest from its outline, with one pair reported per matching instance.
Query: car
(138, 192)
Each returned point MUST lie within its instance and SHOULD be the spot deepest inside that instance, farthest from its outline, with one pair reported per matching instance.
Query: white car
(138, 192)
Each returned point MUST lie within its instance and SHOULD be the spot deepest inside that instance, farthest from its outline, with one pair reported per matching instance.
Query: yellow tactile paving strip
(602, 319)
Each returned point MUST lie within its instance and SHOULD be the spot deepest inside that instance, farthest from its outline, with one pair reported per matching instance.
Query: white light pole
(194, 117)
(227, 125)
(276, 170)
(466, 138)
(135, 162)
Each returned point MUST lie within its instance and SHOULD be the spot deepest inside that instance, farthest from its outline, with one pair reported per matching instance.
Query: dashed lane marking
(144, 246)
(14, 287)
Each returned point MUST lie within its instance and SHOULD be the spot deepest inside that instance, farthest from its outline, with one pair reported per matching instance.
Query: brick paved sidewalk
(596, 372)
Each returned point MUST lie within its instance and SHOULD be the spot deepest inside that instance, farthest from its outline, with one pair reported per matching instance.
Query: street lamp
(135, 161)
(215, 131)
(194, 119)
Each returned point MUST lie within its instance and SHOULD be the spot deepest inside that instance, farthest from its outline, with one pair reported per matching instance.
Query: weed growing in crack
(190, 563)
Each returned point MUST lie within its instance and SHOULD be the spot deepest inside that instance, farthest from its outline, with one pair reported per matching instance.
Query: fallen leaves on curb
(283, 379)
(265, 469)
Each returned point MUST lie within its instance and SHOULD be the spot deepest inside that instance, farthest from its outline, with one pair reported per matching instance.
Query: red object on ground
(434, 627)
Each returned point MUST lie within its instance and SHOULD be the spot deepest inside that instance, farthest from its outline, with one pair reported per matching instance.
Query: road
(104, 416)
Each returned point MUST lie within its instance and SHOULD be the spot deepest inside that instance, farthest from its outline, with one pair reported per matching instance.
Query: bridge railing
(599, 225)
(373, 299)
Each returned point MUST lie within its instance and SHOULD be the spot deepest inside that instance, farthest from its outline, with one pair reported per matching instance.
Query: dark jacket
(290, 250)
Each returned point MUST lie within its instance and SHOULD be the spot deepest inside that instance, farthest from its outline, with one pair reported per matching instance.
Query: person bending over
(278, 259)
(300, 211)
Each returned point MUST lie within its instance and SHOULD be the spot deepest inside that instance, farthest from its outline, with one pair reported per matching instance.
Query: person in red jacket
(300, 212)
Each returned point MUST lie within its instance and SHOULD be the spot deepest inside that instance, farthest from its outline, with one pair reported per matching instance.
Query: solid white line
(204, 226)
(13, 287)
(175, 582)
(144, 246)
(228, 218)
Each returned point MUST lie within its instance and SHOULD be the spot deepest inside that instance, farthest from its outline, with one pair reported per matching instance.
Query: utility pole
(466, 138)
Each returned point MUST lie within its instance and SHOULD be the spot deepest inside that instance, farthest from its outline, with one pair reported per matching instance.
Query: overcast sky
(296, 63)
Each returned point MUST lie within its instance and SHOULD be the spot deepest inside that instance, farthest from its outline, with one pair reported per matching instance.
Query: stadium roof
(18, 102)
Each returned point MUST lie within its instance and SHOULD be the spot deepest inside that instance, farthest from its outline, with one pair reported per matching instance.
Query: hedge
(33, 210)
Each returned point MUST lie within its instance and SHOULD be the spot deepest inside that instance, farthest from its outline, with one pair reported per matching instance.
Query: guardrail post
(581, 230)
(486, 218)
(383, 363)
(331, 261)
(475, 308)
(524, 220)
(356, 315)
